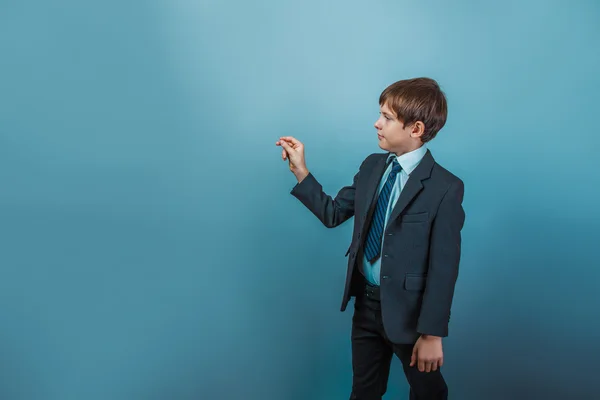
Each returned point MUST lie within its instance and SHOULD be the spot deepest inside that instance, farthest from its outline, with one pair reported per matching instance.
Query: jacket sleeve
(444, 258)
(330, 211)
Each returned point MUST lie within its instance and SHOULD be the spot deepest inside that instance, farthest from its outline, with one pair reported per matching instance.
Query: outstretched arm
(330, 211)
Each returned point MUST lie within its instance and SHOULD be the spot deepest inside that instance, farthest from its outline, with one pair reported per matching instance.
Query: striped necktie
(373, 243)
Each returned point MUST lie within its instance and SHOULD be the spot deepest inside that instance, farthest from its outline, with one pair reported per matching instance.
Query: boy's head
(412, 112)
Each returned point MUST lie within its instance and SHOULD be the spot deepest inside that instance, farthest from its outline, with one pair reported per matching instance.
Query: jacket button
(385, 277)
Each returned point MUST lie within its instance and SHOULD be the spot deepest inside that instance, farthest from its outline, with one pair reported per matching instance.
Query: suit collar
(413, 186)
(422, 171)
(409, 161)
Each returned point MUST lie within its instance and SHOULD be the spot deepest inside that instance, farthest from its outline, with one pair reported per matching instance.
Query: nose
(377, 124)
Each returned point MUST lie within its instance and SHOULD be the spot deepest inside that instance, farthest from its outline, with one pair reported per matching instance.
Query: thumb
(413, 357)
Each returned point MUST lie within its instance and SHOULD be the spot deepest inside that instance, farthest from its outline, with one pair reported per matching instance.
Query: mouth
(379, 136)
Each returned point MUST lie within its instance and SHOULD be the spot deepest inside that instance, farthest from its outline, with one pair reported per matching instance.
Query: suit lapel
(414, 185)
(372, 183)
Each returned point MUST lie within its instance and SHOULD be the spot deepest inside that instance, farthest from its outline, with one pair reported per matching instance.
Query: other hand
(427, 353)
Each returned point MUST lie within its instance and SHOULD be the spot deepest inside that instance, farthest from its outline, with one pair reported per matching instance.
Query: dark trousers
(372, 355)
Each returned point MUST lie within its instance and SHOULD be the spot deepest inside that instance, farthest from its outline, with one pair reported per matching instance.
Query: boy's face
(394, 136)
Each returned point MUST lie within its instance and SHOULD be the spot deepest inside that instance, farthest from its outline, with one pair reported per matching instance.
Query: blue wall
(151, 248)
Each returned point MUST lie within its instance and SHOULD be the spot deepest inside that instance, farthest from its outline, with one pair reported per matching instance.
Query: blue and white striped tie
(373, 243)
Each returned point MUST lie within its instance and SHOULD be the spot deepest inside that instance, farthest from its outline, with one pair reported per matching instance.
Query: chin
(382, 146)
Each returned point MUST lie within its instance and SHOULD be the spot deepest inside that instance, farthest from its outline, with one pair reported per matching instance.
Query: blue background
(150, 246)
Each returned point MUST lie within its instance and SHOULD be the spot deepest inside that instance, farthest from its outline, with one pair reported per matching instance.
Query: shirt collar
(409, 161)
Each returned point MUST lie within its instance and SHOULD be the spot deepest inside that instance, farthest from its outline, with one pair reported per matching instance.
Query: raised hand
(293, 151)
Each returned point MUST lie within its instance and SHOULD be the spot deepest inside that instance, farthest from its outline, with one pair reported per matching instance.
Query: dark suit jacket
(422, 246)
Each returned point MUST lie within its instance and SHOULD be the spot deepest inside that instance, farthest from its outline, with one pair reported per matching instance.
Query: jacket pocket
(418, 217)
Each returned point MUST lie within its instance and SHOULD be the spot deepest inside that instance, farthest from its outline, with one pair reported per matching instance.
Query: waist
(370, 291)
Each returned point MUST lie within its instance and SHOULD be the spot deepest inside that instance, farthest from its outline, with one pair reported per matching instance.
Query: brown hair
(417, 99)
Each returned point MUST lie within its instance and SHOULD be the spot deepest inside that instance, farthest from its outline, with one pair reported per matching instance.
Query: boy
(405, 249)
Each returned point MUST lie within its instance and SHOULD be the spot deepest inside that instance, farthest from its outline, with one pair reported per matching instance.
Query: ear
(418, 129)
